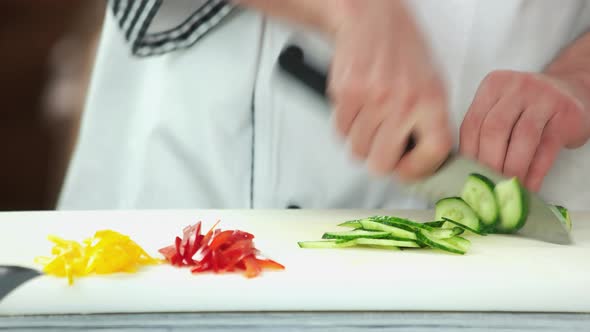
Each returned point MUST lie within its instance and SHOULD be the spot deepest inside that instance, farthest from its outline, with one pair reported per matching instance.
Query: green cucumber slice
(455, 208)
(396, 233)
(451, 221)
(460, 242)
(445, 233)
(512, 199)
(434, 224)
(405, 224)
(383, 243)
(478, 193)
(564, 216)
(350, 224)
(355, 235)
(327, 244)
(359, 242)
(450, 245)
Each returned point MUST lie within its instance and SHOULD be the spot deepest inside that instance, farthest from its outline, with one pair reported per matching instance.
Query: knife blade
(11, 277)
(542, 222)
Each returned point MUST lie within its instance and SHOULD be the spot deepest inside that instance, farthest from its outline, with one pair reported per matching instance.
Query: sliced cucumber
(445, 233)
(450, 245)
(359, 242)
(351, 224)
(512, 199)
(463, 226)
(327, 244)
(478, 193)
(455, 208)
(460, 242)
(564, 215)
(405, 224)
(396, 233)
(355, 235)
(435, 224)
(382, 243)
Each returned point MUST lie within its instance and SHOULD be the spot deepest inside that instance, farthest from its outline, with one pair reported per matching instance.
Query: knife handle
(292, 61)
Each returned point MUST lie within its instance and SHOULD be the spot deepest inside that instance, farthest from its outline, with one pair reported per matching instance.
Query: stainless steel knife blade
(542, 222)
(11, 277)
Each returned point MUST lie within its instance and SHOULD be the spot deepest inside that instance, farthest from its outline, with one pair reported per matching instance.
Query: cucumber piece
(355, 235)
(434, 224)
(450, 245)
(350, 224)
(405, 224)
(445, 233)
(455, 208)
(359, 242)
(460, 242)
(386, 243)
(395, 232)
(566, 216)
(327, 244)
(463, 226)
(478, 193)
(512, 199)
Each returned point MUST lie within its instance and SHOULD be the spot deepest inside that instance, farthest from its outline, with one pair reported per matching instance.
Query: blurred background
(48, 50)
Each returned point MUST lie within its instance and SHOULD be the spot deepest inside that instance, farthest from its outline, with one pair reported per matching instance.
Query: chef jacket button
(293, 207)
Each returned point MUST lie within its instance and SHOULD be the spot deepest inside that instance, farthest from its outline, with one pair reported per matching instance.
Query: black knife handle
(292, 61)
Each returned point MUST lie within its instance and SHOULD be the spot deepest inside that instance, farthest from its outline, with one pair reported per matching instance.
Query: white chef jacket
(210, 122)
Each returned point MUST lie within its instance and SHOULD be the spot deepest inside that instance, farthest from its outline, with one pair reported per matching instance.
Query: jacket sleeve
(135, 18)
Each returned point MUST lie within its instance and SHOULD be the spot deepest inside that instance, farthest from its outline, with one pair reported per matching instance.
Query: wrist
(337, 15)
(576, 83)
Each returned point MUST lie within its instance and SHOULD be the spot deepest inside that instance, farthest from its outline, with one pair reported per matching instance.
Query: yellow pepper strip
(105, 253)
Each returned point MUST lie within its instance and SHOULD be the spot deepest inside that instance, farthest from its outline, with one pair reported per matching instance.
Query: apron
(219, 126)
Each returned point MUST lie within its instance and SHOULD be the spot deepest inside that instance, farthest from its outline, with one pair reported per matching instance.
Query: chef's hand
(518, 123)
(384, 87)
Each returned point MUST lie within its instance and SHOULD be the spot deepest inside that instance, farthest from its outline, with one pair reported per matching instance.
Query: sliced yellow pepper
(105, 253)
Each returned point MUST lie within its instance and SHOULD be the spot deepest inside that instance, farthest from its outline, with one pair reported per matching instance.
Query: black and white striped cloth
(138, 21)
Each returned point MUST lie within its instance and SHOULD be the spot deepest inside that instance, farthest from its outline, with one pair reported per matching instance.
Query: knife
(11, 277)
(542, 222)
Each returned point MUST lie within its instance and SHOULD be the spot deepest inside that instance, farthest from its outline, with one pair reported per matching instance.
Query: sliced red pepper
(221, 239)
(218, 251)
(252, 267)
(179, 250)
(195, 240)
(269, 264)
(237, 256)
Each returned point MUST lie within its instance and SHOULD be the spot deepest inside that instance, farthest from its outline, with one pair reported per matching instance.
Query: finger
(496, 130)
(485, 99)
(552, 140)
(434, 142)
(346, 90)
(544, 158)
(364, 128)
(346, 110)
(525, 139)
(389, 141)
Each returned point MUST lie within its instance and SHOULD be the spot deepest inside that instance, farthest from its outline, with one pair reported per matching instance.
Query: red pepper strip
(195, 240)
(208, 236)
(214, 262)
(200, 267)
(178, 248)
(269, 264)
(236, 257)
(185, 244)
(221, 239)
(168, 251)
(252, 267)
(204, 264)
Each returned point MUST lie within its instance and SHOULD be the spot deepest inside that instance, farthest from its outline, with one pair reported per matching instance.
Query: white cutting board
(500, 273)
